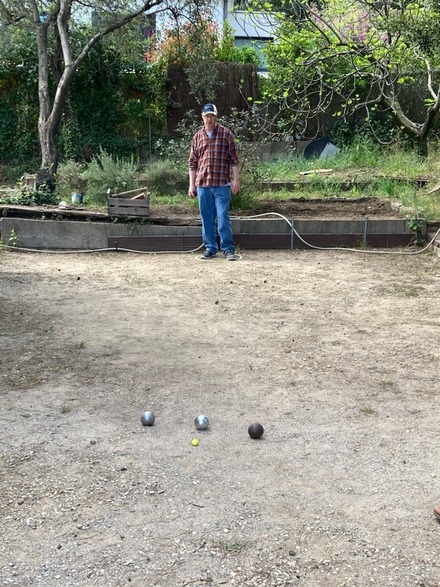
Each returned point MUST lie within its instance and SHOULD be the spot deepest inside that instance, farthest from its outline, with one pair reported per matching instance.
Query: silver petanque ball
(201, 422)
(148, 418)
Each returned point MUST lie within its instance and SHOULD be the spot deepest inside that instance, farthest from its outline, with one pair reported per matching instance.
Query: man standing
(212, 159)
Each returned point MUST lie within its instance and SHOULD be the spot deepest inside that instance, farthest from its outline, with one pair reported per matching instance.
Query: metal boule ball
(148, 418)
(256, 430)
(201, 422)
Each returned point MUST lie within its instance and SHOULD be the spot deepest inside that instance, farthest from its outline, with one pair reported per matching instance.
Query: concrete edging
(74, 235)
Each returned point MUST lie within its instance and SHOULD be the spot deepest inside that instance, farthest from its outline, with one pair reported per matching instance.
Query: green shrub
(244, 200)
(105, 172)
(69, 178)
(22, 196)
(164, 177)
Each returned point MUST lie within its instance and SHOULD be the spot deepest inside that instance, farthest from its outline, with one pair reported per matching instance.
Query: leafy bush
(105, 172)
(69, 178)
(163, 176)
(379, 127)
(175, 149)
(198, 39)
(22, 196)
(10, 173)
(228, 51)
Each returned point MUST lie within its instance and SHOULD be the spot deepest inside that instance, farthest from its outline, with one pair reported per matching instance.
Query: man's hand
(235, 186)
(192, 190)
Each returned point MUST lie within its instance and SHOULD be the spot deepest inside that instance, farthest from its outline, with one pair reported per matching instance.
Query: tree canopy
(60, 53)
(342, 57)
(362, 55)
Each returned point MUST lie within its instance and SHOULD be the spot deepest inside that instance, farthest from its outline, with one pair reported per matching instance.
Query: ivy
(116, 99)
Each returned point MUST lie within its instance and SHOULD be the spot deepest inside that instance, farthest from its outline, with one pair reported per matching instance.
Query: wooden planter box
(132, 203)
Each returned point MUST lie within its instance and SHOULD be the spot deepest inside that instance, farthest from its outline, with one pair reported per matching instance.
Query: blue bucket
(77, 198)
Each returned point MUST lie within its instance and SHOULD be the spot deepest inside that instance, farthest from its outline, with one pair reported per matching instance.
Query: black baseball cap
(209, 109)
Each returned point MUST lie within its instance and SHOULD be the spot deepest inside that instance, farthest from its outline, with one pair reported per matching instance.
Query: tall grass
(372, 171)
(362, 155)
(363, 169)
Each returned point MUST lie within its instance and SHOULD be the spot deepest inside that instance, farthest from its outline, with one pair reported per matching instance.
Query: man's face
(209, 121)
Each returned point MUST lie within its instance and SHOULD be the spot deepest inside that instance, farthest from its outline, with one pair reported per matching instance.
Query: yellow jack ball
(195, 442)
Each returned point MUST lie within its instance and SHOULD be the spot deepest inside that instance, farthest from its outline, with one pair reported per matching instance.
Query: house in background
(241, 80)
(250, 29)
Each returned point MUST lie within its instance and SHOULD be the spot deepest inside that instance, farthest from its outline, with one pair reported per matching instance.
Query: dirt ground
(334, 208)
(335, 353)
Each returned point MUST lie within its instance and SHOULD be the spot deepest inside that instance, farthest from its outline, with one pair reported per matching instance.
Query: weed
(65, 408)
(387, 383)
(13, 239)
(388, 186)
(230, 546)
(409, 291)
(23, 196)
(362, 244)
(367, 410)
(81, 344)
(134, 280)
(363, 152)
(244, 200)
(417, 223)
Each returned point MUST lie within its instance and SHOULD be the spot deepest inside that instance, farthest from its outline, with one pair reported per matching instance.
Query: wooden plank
(128, 202)
(312, 171)
(17, 211)
(436, 188)
(128, 207)
(129, 193)
(116, 211)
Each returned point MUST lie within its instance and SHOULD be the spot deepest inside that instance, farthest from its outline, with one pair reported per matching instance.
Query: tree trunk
(46, 132)
(48, 155)
(421, 144)
(51, 112)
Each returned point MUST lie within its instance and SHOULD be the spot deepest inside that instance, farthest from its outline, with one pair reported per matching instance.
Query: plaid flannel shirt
(212, 158)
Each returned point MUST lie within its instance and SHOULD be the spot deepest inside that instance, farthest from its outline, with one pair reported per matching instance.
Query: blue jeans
(214, 205)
